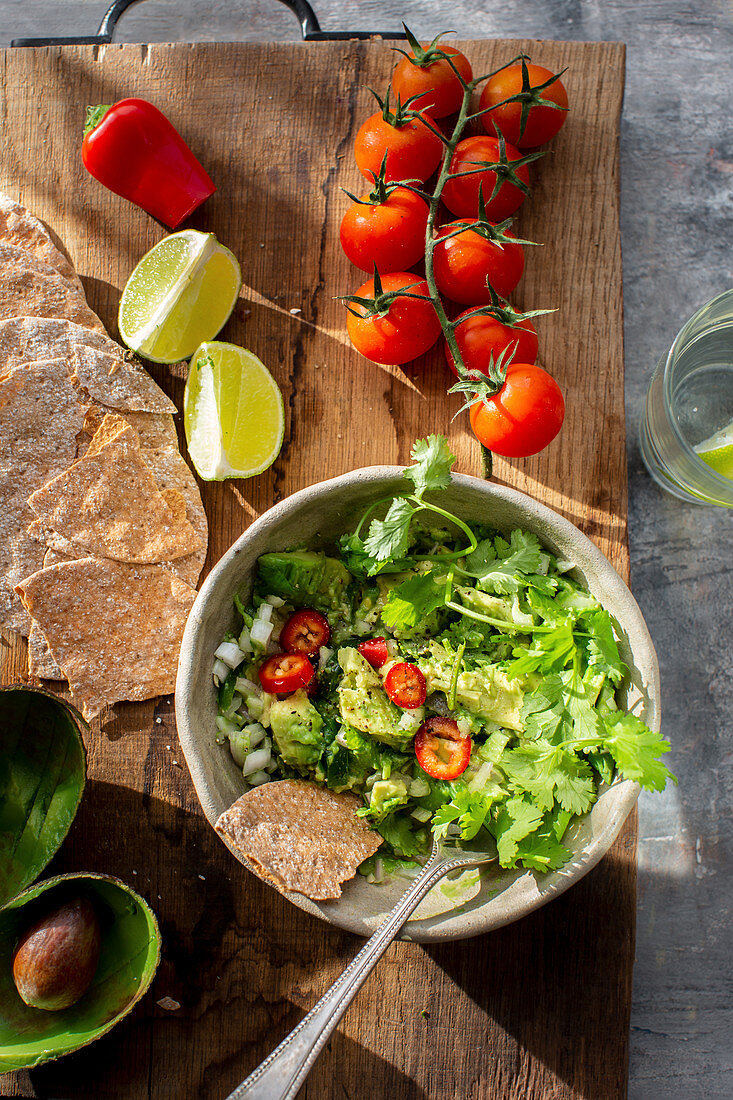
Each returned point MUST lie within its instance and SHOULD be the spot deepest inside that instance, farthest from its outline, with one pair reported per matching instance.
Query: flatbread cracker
(121, 384)
(298, 836)
(108, 502)
(33, 339)
(40, 418)
(156, 430)
(20, 229)
(41, 661)
(27, 293)
(171, 471)
(114, 629)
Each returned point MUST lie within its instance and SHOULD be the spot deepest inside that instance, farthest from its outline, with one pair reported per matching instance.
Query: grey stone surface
(677, 184)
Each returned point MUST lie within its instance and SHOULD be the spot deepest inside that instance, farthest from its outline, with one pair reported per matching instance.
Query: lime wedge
(232, 413)
(717, 451)
(179, 295)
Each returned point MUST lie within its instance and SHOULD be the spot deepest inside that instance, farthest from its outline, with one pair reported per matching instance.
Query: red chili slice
(305, 632)
(286, 672)
(405, 685)
(374, 650)
(440, 750)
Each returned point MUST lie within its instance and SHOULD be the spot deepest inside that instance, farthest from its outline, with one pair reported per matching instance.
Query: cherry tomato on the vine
(374, 650)
(403, 329)
(405, 685)
(285, 672)
(523, 417)
(461, 194)
(482, 337)
(440, 750)
(413, 151)
(439, 89)
(305, 632)
(464, 262)
(542, 122)
(389, 235)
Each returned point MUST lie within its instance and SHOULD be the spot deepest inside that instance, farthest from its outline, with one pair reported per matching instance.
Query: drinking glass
(690, 399)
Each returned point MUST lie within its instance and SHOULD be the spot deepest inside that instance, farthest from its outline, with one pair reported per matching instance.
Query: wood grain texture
(539, 1009)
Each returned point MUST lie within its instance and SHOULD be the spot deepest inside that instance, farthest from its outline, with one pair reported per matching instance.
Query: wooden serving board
(539, 1009)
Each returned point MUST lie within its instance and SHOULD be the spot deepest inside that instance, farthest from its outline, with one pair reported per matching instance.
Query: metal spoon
(283, 1072)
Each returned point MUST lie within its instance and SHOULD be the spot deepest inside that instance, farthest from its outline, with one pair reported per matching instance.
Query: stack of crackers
(102, 531)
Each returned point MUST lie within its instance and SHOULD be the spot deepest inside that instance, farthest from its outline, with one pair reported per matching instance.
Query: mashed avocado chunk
(296, 730)
(305, 578)
(363, 702)
(486, 692)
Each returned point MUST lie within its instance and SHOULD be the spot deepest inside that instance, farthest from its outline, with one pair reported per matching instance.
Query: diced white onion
(265, 612)
(275, 601)
(255, 707)
(360, 627)
(256, 779)
(256, 733)
(481, 777)
(464, 726)
(378, 870)
(239, 747)
(256, 760)
(225, 725)
(341, 739)
(261, 632)
(419, 787)
(421, 813)
(220, 671)
(325, 654)
(230, 654)
(245, 642)
(393, 647)
(246, 687)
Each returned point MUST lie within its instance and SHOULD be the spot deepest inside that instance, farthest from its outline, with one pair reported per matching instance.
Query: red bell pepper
(134, 150)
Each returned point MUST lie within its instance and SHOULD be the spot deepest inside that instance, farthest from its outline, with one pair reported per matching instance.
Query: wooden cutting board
(537, 1010)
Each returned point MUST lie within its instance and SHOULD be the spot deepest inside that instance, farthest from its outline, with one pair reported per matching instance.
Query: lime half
(232, 413)
(180, 294)
(717, 451)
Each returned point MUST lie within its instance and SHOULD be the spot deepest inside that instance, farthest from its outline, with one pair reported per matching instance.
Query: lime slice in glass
(717, 451)
(180, 294)
(232, 413)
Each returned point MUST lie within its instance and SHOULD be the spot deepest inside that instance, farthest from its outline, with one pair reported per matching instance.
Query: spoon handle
(283, 1072)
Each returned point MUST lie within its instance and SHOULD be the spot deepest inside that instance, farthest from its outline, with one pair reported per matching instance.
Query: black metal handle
(309, 26)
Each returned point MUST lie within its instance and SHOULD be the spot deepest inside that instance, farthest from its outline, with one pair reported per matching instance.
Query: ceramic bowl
(314, 517)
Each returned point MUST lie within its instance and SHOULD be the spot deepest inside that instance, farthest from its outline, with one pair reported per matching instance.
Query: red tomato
(463, 263)
(461, 195)
(542, 122)
(286, 672)
(375, 651)
(482, 336)
(305, 632)
(440, 749)
(405, 685)
(413, 151)
(440, 90)
(389, 235)
(524, 416)
(409, 327)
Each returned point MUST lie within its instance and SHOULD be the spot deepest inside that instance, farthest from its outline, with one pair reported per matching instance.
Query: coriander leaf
(515, 820)
(575, 788)
(602, 647)
(390, 537)
(558, 820)
(548, 652)
(541, 851)
(433, 462)
(603, 764)
(478, 561)
(399, 833)
(636, 749)
(587, 723)
(410, 602)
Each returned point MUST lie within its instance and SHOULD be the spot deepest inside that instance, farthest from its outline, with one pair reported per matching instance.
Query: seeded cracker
(18, 227)
(297, 836)
(114, 629)
(109, 504)
(27, 339)
(40, 418)
(41, 661)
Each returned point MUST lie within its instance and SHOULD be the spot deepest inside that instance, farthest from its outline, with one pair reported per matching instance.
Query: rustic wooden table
(539, 1009)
